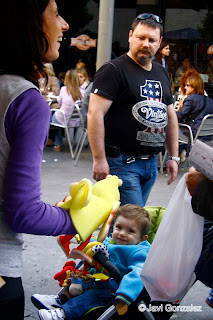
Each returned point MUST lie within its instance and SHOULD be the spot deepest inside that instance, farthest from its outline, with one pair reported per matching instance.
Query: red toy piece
(62, 275)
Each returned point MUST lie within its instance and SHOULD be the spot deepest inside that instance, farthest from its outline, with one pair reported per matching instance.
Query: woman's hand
(180, 104)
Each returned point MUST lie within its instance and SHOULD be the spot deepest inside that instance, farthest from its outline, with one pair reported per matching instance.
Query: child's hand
(121, 307)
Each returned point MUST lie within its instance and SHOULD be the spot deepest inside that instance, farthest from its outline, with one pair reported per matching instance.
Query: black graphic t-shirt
(137, 118)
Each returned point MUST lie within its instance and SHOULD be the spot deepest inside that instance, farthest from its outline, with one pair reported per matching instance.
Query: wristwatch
(177, 159)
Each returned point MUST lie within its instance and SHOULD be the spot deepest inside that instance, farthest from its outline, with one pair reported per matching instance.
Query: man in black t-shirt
(131, 115)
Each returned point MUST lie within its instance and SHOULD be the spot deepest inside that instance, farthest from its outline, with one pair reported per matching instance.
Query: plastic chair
(75, 115)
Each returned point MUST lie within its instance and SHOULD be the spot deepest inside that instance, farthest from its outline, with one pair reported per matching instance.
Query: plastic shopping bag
(168, 271)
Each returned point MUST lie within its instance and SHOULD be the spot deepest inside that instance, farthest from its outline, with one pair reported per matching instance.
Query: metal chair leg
(69, 142)
(80, 146)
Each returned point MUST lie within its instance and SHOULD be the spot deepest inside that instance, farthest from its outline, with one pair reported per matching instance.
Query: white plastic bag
(168, 271)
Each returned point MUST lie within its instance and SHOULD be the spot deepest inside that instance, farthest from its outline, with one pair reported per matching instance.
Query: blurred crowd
(61, 92)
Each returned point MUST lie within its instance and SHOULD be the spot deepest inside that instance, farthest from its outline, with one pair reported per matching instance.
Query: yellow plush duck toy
(90, 206)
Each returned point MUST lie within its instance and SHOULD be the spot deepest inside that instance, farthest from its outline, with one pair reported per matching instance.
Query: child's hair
(137, 213)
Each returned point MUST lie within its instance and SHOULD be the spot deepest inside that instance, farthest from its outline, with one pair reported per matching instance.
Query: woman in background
(162, 53)
(195, 106)
(83, 77)
(183, 81)
(185, 65)
(69, 93)
(52, 82)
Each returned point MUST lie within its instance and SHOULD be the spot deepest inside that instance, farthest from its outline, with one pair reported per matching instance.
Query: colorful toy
(90, 206)
(63, 275)
(69, 271)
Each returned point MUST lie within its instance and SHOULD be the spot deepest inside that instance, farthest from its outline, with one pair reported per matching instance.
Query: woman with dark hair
(31, 31)
(162, 53)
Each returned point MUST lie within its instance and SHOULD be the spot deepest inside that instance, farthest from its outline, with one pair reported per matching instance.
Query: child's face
(126, 231)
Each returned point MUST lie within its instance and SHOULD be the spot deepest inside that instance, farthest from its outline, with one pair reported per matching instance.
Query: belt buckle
(130, 159)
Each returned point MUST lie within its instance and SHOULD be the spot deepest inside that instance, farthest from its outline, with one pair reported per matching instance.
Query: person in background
(61, 77)
(86, 64)
(83, 77)
(69, 93)
(82, 63)
(201, 190)
(85, 103)
(186, 64)
(124, 137)
(195, 106)
(51, 85)
(209, 71)
(183, 80)
(31, 31)
(162, 53)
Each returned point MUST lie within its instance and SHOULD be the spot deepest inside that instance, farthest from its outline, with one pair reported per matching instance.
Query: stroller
(156, 214)
(134, 311)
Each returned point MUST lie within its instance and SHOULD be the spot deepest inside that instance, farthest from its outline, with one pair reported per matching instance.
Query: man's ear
(161, 38)
(130, 34)
(144, 238)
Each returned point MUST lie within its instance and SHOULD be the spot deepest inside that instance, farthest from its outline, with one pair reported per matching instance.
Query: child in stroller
(128, 249)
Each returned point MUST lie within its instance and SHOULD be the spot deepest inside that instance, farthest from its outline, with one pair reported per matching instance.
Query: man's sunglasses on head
(145, 16)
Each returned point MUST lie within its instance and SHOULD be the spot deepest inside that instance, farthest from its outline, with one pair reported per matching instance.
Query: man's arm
(172, 144)
(201, 190)
(98, 107)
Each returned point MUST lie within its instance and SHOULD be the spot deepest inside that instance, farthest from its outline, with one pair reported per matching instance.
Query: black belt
(140, 157)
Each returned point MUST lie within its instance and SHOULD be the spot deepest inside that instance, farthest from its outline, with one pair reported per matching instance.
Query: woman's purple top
(27, 124)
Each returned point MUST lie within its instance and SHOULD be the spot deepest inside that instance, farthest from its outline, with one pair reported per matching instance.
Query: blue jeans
(59, 133)
(138, 178)
(76, 307)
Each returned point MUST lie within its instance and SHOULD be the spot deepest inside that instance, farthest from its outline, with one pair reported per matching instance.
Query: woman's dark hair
(23, 39)
(158, 55)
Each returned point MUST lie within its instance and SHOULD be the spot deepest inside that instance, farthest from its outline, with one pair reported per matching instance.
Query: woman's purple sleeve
(27, 124)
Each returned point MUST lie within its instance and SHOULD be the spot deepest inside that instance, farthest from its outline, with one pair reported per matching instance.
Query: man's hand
(98, 107)
(193, 178)
(121, 307)
(172, 167)
(100, 169)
